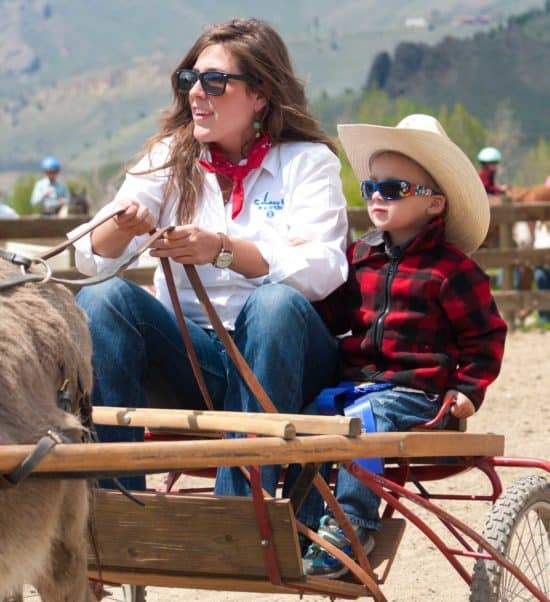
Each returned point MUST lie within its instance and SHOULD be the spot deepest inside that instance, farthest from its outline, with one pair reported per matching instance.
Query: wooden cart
(199, 540)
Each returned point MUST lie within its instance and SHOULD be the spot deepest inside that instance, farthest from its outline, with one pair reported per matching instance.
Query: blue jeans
(139, 353)
(394, 410)
(542, 278)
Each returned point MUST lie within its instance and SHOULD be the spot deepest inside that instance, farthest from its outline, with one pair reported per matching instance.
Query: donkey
(45, 347)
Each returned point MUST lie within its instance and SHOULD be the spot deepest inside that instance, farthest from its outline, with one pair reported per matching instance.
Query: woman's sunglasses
(394, 190)
(212, 82)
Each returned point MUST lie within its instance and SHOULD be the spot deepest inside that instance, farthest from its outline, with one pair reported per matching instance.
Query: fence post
(506, 241)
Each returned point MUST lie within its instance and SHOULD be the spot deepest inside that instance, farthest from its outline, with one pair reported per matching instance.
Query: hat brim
(468, 213)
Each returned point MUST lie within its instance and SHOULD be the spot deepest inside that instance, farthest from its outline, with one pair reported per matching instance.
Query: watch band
(225, 257)
(225, 244)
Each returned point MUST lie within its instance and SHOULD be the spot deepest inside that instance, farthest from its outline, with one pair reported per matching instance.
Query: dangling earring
(257, 126)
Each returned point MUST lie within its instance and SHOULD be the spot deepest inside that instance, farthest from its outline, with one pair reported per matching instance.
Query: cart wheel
(134, 593)
(518, 527)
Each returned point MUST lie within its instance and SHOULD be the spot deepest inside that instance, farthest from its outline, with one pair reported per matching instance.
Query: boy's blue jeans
(394, 410)
(138, 349)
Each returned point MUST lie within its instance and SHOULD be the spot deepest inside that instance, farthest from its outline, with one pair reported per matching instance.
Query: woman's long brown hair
(258, 50)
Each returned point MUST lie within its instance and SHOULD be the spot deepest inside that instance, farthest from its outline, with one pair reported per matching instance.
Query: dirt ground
(516, 406)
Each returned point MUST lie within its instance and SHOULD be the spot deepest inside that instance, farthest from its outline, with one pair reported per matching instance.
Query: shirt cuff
(87, 261)
(282, 261)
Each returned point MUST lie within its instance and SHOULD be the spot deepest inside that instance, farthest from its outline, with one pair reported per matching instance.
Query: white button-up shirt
(295, 194)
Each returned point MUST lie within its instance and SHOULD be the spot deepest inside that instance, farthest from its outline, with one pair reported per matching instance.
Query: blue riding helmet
(50, 164)
(489, 154)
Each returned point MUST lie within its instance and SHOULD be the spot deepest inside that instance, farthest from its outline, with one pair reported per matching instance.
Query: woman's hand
(188, 245)
(111, 238)
(462, 407)
(135, 220)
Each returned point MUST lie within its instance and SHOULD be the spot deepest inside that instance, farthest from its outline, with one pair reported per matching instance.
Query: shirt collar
(270, 162)
(377, 241)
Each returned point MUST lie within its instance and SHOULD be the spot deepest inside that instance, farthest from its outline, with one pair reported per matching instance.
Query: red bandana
(237, 173)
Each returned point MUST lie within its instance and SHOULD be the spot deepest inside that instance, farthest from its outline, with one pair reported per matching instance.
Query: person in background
(542, 273)
(49, 193)
(251, 184)
(536, 235)
(6, 212)
(541, 240)
(489, 158)
(420, 326)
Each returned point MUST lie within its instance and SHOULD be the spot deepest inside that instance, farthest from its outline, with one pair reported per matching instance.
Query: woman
(251, 183)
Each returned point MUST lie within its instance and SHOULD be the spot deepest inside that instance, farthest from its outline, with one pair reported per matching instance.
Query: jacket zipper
(379, 323)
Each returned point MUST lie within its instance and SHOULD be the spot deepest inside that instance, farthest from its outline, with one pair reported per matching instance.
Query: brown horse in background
(517, 194)
(533, 194)
(79, 205)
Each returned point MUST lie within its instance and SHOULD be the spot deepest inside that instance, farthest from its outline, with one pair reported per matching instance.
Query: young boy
(418, 312)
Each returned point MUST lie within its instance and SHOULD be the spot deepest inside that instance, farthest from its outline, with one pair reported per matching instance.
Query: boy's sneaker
(319, 563)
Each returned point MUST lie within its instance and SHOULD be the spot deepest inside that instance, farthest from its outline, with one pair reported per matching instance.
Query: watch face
(224, 259)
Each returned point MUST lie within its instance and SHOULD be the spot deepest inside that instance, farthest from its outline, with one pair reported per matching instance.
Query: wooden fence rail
(49, 231)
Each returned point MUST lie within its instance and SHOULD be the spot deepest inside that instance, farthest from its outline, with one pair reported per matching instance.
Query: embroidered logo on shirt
(270, 206)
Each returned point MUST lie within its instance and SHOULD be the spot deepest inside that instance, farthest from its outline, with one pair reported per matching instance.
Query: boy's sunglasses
(212, 82)
(394, 190)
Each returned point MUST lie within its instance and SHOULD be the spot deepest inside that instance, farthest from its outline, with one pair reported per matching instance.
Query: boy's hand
(461, 407)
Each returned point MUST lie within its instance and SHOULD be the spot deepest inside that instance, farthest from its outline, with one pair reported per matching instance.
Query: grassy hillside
(508, 64)
(51, 41)
(86, 80)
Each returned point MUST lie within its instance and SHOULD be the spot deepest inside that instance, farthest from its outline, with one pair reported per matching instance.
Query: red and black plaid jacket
(422, 317)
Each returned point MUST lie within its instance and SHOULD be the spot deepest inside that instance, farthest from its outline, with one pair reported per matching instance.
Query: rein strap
(40, 451)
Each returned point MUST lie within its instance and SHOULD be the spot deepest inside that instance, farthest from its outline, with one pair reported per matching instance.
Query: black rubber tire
(518, 527)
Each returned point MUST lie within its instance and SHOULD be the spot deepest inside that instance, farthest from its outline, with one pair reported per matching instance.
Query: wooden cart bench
(210, 542)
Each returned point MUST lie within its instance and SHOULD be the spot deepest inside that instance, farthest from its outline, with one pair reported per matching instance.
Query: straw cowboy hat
(422, 138)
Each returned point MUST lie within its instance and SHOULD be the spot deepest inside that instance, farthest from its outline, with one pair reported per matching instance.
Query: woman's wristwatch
(225, 257)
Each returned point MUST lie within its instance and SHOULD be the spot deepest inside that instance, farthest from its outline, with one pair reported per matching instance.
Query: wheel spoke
(529, 551)
(518, 527)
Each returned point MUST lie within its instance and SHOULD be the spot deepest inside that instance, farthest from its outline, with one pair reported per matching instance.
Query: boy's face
(402, 219)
